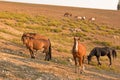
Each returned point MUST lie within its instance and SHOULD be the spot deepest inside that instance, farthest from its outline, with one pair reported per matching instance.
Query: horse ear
(30, 37)
(74, 38)
(24, 33)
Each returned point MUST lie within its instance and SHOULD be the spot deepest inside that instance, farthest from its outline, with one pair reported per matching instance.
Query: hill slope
(17, 18)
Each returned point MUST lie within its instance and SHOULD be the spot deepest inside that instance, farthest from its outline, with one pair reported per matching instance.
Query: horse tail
(114, 53)
(50, 50)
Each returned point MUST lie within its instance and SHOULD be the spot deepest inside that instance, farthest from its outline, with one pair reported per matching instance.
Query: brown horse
(67, 14)
(36, 42)
(79, 52)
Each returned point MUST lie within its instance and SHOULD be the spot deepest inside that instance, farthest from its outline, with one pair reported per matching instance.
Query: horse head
(89, 59)
(92, 53)
(25, 38)
(76, 38)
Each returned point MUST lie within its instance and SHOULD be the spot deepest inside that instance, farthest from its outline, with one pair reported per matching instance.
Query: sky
(98, 4)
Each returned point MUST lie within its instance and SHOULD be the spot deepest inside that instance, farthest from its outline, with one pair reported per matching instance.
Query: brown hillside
(15, 61)
(103, 16)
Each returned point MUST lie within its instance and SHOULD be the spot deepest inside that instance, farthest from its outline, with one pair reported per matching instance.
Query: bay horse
(102, 51)
(79, 52)
(34, 41)
(67, 14)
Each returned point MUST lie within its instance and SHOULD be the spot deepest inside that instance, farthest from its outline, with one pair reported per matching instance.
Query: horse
(92, 19)
(67, 14)
(102, 51)
(118, 5)
(36, 42)
(80, 17)
(78, 52)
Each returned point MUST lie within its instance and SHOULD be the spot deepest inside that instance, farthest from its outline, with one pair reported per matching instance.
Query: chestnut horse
(67, 14)
(34, 41)
(79, 52)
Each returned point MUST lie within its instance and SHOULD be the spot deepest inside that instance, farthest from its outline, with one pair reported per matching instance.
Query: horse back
(38, 36)
(102, 51)
(38, 44)
(81, 49)
(34, 35)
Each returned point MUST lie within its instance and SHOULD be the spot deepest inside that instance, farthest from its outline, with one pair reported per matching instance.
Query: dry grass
(17, 18)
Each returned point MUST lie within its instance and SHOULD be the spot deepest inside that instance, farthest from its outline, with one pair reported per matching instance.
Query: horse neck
(75, 47)
(29, 41)
(92, 53)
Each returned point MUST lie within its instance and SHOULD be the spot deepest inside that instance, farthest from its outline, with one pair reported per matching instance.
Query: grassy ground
(61, 30)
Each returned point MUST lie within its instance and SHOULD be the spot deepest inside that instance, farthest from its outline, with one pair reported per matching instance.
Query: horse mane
(94, 50)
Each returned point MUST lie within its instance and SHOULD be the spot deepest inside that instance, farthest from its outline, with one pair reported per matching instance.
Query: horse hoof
(75, 71)
(48, 60)
(33, 57)
(99, 64)
(81, 72)
(110, 66)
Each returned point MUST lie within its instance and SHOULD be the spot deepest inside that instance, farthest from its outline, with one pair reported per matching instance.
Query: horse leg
(32, 54)
(75, 59)
(80, 64)
(109, 56)
(83, 59)
(46, 55)
(83, 67)
(98, 57)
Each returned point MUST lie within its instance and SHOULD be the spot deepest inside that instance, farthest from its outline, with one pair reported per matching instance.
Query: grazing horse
(80, 17)
(92, 19)
(67, 14)
(102, 51)
(36, 42)
(79, 52)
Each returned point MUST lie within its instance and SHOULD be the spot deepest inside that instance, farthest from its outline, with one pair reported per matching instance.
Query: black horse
(118, 6)
(102, 51)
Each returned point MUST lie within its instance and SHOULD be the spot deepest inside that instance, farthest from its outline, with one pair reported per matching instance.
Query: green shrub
(117, 47)
(57, 30)
(79, 34)
(102, 43)
(53, 23)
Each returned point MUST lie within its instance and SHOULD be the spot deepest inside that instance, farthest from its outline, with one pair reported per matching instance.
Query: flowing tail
(114, 53)
(50, 51)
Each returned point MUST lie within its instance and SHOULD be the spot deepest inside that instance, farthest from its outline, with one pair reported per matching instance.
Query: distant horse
(118, 7)
(92, 19)
(36, 42)
(67, 14)
(79, 52)
(102, 51)
(80, 17)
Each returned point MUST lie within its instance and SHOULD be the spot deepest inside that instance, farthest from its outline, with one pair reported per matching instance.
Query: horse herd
(67, 14)
(35, 41)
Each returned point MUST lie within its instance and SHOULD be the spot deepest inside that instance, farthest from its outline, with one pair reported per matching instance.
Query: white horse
(80, 17)
(92, 19)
